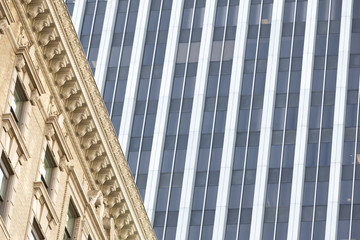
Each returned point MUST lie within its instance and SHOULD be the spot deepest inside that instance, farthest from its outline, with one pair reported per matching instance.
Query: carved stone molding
(44, 208)
(91, 200)
(5, 12)
(55, 136)
(23, 42)
(24, 65)
(96, 200)
(11, 138)
(86, 114)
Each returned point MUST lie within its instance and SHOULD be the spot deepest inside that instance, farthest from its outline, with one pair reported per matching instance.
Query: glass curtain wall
(91, 30)
(148, 91)
(285, 121)
(315, 193)
(349, 213)
(119, 60)
(214, 116)
(249, 121)
(173, 161)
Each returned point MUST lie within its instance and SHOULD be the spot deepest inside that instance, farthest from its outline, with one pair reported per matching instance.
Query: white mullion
(78, 15)
(163, 110)
(302, 122)
(196, 122)
(133, 76)
(339, 121)
(105, 44)
(231, 122)
(266, 122)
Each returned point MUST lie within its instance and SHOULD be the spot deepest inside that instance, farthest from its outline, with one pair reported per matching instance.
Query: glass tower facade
(239, 118)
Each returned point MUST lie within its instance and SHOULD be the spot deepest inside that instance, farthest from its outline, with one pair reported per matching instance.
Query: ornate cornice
(49, 27)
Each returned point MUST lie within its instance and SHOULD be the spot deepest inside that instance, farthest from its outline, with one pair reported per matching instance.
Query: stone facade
(62, 169)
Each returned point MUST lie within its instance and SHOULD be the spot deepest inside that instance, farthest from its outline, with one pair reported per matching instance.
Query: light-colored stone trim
(62, 61)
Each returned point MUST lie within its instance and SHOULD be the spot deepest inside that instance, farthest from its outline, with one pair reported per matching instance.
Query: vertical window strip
(348, 224)
(212, 136)
(147, 91)
(116, 84)
(87, 43)
(184, 82)
(355, 164)
(315, 229)
(210, 158)
(318, 225)
(149, 88)
(284, 131)
(93, 16)
(241, 231)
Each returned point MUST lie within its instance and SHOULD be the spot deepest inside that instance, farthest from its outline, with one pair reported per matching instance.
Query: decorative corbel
(68, 89)
(52, 49)
(21, 156)
(58, 62)
(84, 128)
(110, 186)
(114, 198)
(63, 76)
(89, 140)
(96, 199)
(22, 41)
(49, 132)
(80, 115)
(74, 102)
(36, 8)
(20, 63)
(98, 164)
(48, 35)
(94, 152)
(34, 97)
(123, 220)
(104, 175)
(63, 163)
(43, 20)
(52, 110)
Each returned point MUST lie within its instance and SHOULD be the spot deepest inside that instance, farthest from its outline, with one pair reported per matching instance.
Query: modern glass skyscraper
(239, 118)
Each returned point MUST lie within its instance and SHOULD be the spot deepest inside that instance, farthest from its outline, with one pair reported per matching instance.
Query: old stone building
(63, 174)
